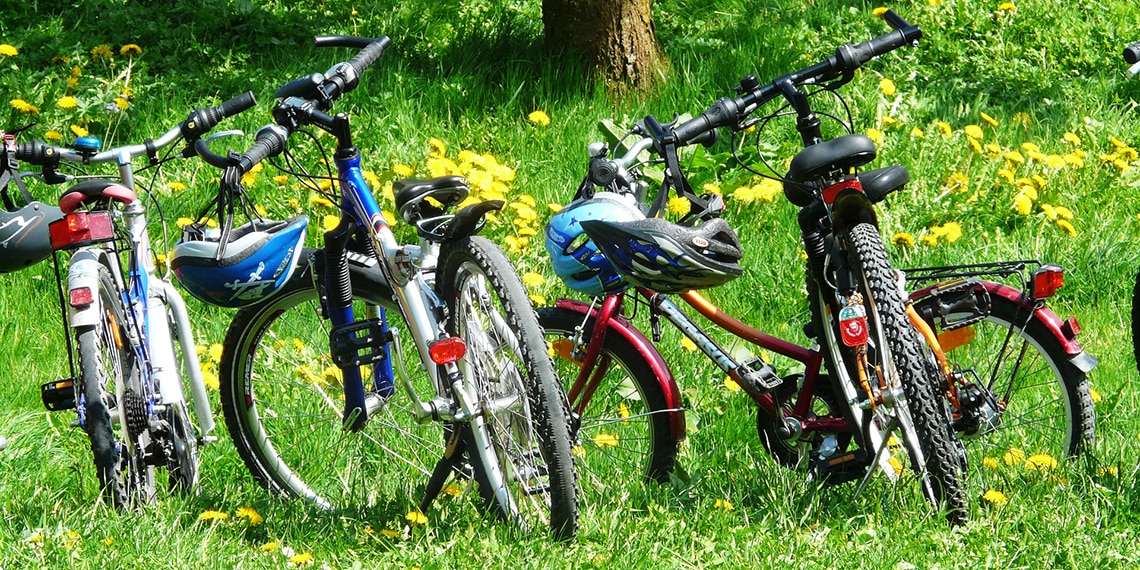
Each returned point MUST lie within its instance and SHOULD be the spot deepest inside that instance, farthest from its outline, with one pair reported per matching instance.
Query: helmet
(258, 259)
(24, 237)
(669, 258)
(576, 259)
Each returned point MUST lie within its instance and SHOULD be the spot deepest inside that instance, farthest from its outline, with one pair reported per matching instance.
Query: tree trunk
(616, 38)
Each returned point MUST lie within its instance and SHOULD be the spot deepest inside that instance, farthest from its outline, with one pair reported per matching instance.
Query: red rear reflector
(81, 297)
(81, 228)
(1070, 328)
(447, 350)
(1047, 280)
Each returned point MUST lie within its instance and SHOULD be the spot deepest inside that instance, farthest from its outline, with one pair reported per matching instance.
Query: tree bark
(615, 38)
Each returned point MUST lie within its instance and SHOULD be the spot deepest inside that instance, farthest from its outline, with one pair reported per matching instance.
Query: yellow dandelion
(437, 148)
(1050, 211)
(1014, 456)
(1021, 118)
(730, 384)
(67, 102)
(1041, 462)
(973, 131)
(533, 279)
(1067, 227)
(1096, 397)
(878, 12)
(875, 135)
(711, 188)
(994, 150)
(24, 107)
(917, 133)
(251, 514)
(903, 240)
(269, 546)
(9, 50)
(1071, 138)
(887, 87)
(956, 182)
(210, 378)
(989, 120)
(53, 135)
(536, 299)
(416, 518)
(679, 206)
(130, 49)
(1022, 204)
(319, 200)
(329, 222)
(79, 131)
(301, 559)
(1109, 471)
(1063, 212)
(212, 515)
(578, 452)
(1014, 157)
(990, 462)
(539, 118)
(216, 349)
(723, 504)
(605, 440)
(1006, 7)
(944, 128)
(122, 103)
(390, 533)
(930, 240)
(995, 498)
(974, 144)
(688, 345)
(1116, 142)
(175, 186)
(102, 51)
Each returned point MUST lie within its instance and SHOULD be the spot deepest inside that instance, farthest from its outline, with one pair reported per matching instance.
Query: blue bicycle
(310, 369)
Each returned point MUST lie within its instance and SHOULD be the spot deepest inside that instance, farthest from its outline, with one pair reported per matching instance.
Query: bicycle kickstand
(449, 463)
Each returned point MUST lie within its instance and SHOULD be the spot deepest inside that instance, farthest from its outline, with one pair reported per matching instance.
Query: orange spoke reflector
(954, 338)
(447, 350)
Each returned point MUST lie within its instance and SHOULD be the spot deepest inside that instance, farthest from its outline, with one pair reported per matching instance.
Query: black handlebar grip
(270, 142)
(369, 54)
(201, 121)
(1132, 53)
(894, 20)
(37, 153)
(702, 128)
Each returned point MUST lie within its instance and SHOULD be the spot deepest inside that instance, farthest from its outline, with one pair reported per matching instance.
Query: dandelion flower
(102, 51)
(944, 128)
(216, 349)
(390, 533)
(1067, 227)
(903, 240)
(318, 200)
(1096, 397)
(1109, 471)
(329, 222)
(254, 517)
(416, 517)
(130, 49)
(1040, 462)
(403, 171)
(875, 135)
(688, 345)
(1014, 156)
(24, 107)
(9, 50)
(212, 515)
(731, 385)
(1022, 204)
(578, 452)
(990, 462)
(1014, 456)
(53, 135)
(79, 131)
(995, 498)
(878, 12)
(67, 102)
(539, 118)
(532, 279)
(974, 132)
(679, 206)
(723, 504)
(1071, 138)
(122, 103)
(438, 148)
(269, 546)
(605, 440)
(956, 182)
(1006, 7)
(301, 559)
(887, 87)
(917, 133)
(1006, 174)
(989, 120)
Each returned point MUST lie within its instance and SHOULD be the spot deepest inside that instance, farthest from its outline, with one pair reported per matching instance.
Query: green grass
(468, 74)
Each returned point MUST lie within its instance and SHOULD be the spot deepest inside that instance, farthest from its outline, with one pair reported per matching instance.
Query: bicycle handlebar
(196, 124)
(729, 111)
(1132, 53)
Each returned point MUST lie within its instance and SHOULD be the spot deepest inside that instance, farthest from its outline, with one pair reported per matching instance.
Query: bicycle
(133, 346)
(837, 421)
(494, 413)
(1007, 364)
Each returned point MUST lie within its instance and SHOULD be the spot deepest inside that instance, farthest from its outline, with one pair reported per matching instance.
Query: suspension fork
(338, 306)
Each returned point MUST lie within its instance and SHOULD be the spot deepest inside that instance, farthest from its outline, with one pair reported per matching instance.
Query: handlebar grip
(201, 121)
(369, 54)
(1132, 53)
(894, 20)
(270, 142)
(37, 153)
(702, 128)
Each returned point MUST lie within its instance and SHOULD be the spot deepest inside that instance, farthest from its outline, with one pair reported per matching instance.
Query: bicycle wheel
(508, 366)
(282, 399)
(923, 423)
(1021, 389)
(620, 431)
(107, 373)
(1136, 322)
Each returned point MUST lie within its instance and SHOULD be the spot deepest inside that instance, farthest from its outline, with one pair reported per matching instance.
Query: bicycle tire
(623, 432)
(1136, 322)
(489, 309)
(105, 362)
(281, 403)
(1050, 408)
(927, 410)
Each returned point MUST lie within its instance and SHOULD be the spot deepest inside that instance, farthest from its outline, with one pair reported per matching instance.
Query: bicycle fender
(1066, 336)
(667, 383)
(852, 207)
(83, 272)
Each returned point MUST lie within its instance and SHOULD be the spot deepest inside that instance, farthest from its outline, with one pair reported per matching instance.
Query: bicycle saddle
(93, 192)
(841, 153)
(411, 196)
(877, 184)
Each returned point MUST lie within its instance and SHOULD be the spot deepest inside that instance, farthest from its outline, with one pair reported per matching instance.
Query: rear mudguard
(83, 272)
(672, 394)
(1065, 335)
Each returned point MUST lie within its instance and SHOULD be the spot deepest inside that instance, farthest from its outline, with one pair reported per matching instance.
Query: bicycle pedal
(359, 343)
(58, 394)
(841, 468)
(759, 375)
